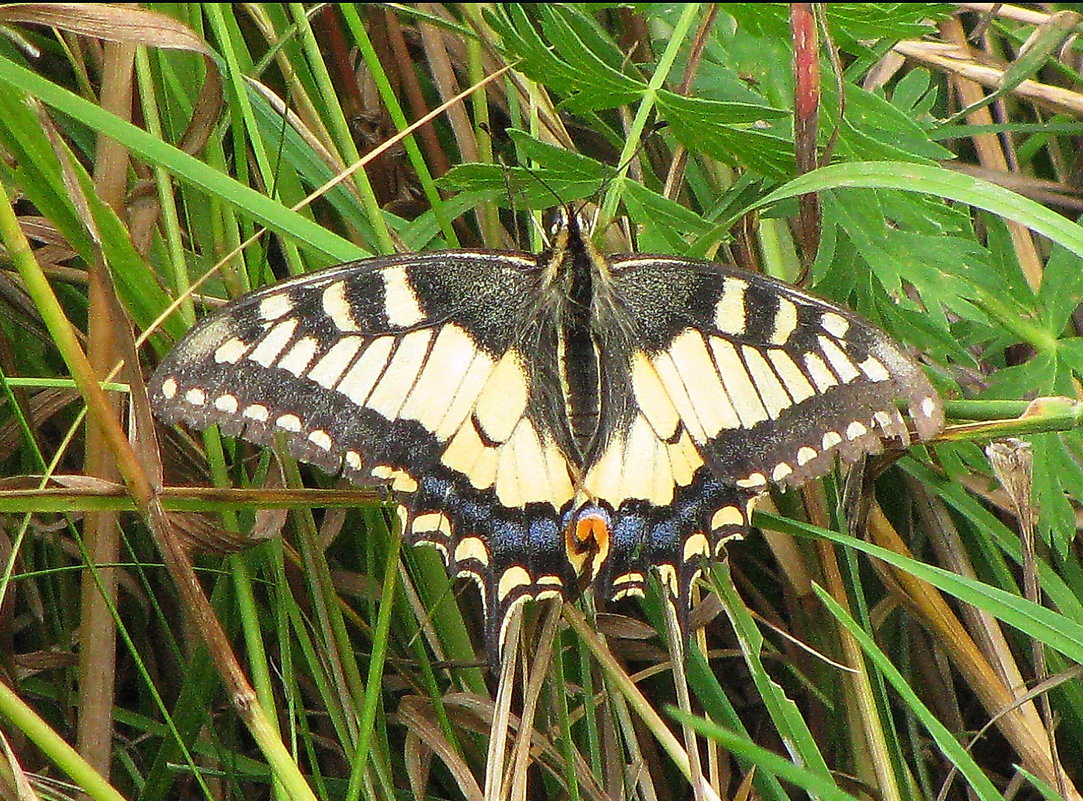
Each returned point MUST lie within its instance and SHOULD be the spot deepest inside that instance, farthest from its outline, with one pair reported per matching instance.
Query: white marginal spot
(257, 412)
(805, 454)
(354, 460)
(298, 357)
(196, 396)
(321, 439)
(727, 516)
(697, 544)
(471, 548)
(839, 361)
(831, 439)
(835, 324)
(772, 393)
(928, 405)
(856, 430)
(401, 305)
(271, 345)
(226, 403)
(729, 312)
(513, 578)
(382, 471)
(753, 481)
(885, 420)
(628, 577)
(230, 351)
(289, 422)
(785, 321)
(780, 472)
(667, 575)
(363, 375)
(329, 369)
(274, 306)
(874, 369)
(433, 521)
(821, 375)
(403, 482)
(739, 387)
(169, 389)
(337, 306)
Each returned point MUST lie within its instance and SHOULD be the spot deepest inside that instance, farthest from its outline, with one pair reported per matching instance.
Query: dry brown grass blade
(1020, 724)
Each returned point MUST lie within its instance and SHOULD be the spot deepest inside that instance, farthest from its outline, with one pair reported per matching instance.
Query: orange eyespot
(586, 541)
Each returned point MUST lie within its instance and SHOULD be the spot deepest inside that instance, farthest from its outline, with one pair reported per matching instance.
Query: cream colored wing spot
(503, 400)
(321, 439)
(671, 379)
(684, 459)
(796, 382)
(298, 357)
(401, 305)
(727, 516)
(257, 412)
(354, 460)
(752, 481)
(445, 368)
(329, 369)
(382, 472)
(805, 454)
(272, 344)
(729, 312)
(831, 439)
(403, 482)
(338, 307)
(785, 322)
(226, 403)
(230, 351)
(781, 471)
(365, 372)
(885, 420)
(928, 406)
(667, 575)
(400, 377)
(471, 548)
(874, 369)
(169, 389)
(697, 544)
(195, 396)
(856, 430)
(652, 399)
(463, 398)
(700, 376)
(528, 474)
(274, 306)
(468, 455)
(739, 387)
(838, 360)
(773, 395)
(625, 578)
(432, 521)
(820, 373)
(289, 422)
(835, 324)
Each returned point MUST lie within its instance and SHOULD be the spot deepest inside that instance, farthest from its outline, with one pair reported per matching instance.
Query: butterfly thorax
(578, 289)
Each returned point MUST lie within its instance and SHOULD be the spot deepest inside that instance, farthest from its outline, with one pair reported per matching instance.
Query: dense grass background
(922, 641)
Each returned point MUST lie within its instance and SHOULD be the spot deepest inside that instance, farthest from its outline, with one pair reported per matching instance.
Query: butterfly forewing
(545, 433)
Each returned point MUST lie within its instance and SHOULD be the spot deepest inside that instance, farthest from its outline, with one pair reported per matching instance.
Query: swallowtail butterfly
(557, 420)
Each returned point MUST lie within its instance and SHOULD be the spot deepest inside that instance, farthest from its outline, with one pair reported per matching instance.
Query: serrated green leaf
(1061, 291)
